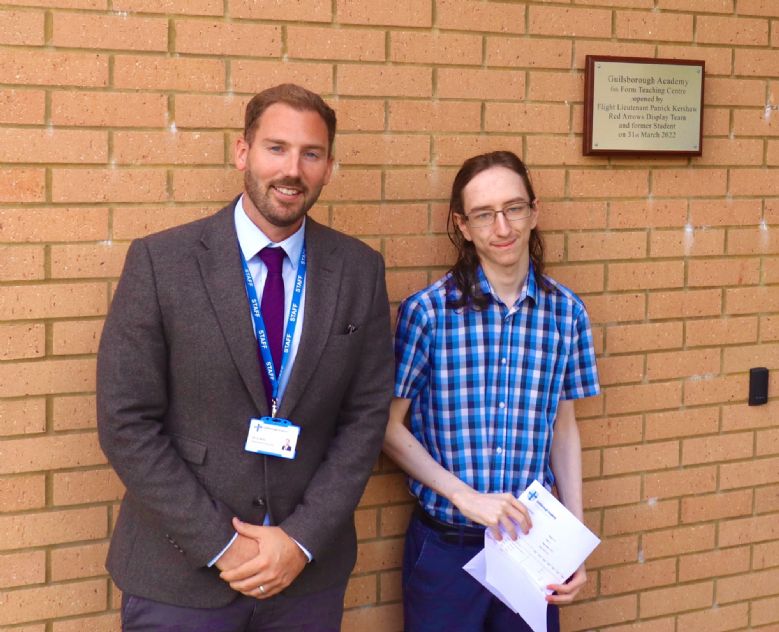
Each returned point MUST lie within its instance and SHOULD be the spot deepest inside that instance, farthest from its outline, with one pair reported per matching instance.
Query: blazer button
(258, 501)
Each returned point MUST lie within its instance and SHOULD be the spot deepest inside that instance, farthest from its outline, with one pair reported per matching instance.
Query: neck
(275, 233)
(507, 281)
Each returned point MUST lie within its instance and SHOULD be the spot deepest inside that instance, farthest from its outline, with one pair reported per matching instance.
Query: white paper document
(518, 571)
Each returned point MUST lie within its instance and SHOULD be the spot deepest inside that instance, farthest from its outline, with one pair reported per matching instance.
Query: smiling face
(503, 246)
(285, 167)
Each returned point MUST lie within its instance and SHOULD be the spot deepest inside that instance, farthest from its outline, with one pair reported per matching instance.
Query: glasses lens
(482, 218)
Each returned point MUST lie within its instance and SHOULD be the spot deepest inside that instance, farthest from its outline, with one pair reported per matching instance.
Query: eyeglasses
(486, 217)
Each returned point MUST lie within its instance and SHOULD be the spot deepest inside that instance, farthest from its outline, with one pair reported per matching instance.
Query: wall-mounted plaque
(640, 105)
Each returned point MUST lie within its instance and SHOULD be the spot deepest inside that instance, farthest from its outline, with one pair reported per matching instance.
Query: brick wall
(117, 118)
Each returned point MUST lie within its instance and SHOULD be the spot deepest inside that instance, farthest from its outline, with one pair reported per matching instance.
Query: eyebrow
(278, 141)
(486, 207)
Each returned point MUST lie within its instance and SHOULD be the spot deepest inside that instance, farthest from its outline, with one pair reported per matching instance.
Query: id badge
(272, 436)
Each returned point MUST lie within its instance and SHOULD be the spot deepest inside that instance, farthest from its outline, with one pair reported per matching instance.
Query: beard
(278, 214)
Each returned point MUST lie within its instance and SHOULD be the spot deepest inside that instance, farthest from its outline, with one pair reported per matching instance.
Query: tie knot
(272, 258)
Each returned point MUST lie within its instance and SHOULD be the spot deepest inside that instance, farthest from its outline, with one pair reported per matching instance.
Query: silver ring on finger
(261, 588)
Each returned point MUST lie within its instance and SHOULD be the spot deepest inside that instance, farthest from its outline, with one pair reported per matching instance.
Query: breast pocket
(193, 452)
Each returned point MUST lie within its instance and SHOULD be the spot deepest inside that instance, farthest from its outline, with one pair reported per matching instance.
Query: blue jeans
(439, 596)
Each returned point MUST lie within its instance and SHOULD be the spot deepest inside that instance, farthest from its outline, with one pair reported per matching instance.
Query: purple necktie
(272, 308)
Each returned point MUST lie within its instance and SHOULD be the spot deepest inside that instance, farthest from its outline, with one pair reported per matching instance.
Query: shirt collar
(251, 239)
(529, 287)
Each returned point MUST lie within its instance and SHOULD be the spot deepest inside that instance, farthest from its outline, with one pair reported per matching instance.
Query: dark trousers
(439, 596)
(318, 612)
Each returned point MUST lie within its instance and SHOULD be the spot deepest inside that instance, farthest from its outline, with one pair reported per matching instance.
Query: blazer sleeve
(132, 400)
(338, 483)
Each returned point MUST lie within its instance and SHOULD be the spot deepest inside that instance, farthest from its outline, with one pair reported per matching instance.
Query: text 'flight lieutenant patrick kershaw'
(489, 360)
(228, 339)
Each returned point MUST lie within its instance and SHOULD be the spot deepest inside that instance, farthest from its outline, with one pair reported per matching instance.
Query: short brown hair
(295, 97)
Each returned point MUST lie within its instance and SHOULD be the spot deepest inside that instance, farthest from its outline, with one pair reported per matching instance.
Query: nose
(502, 225)
(292, 164)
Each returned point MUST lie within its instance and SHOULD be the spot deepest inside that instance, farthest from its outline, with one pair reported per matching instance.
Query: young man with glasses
(489, 360)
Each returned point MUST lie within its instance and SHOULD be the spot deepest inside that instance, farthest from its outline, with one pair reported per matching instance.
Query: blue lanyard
(259, 324)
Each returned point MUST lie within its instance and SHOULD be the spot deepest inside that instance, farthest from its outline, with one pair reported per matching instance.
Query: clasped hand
(494, 511)
(261, 557)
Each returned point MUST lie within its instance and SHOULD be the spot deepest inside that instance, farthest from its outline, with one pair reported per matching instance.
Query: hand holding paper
(519, 572)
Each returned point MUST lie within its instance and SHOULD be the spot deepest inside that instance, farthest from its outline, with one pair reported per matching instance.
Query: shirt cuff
(304, 549)
(222, 552)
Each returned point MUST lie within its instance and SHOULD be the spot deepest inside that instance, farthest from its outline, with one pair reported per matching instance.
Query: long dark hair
(463, 272)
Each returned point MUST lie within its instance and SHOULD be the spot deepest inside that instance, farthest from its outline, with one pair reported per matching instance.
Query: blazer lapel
(323, 279)
(220, 265)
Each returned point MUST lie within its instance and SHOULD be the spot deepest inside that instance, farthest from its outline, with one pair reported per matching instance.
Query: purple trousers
(319, 612)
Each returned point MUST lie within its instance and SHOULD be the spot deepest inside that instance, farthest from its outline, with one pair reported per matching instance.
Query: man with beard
(228, 339)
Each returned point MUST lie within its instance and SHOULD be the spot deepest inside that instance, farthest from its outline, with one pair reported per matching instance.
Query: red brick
(717, 619)
(571, 22)
(756, 62)
(482, 84)
(642, 276)
(681, 423)
(688, 182)
(759, 472)
(187, 7)
(77, 562)
(721, 331)
(737, 359)
(413, 184)
(753, 122)
(665, 366)
(730, 92)
(643, 213)
(455, 149)
(717, 506)
(609, 308)
(687, 243)
(114, 185)
(416, 251)
(678, 482)
(22, 106)
(708, 389)
(381, 149)
(154, 148)
(500, 17)
(555, 150)
(640, 517)
(44, 528)
(592, 615)
(372, 80)
(765, 555)
(161, 73)
(109, 622)
(609, 245)
(637, 577)
(716, 122)
(767, 498)
(22, 493)
(611, 183)
(19, 341)
(713, 564)
(719, 272)
(750, 300)
(624, 399)
(76, 337)
(227, 38)
(754, 181)
(763, 611)
(108, 109)
(549, 183)
(38, 225)
(685, 304)
(435, 48)
(753, 241)
(610, 431)
(360, 591)
(767, 442)
(731, 31)
(22, 263)
(37, 67)
(705, 6)
(769, 328)
(771, 270)
(379, 555)
(74, 412)
(580, 278)
(384, 489)
(44, 377)
(206, 185)
(52, 145)
(83, 30)
(399, 13)
(648, 25)
(525, 117)
(336, 44)
(748, 586)
(677, 599)
(531, 53)
(757, 7)
(60, 600)
(612, 48)
(652, 456)
(361, 219)
(132, 222)
(571, 215)
(205, 110)
(678, 540)
(26, 416)
(22, 185)
(433, 116)
(22, 569)
(643, 337)
(23, 28)
(727, 151)
(614, 491)
(354, 185)
(360, 115)
(620, 369)
(48, 301)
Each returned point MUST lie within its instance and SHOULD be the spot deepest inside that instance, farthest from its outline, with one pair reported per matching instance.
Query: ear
(462, 225)
(534, 215)
(240, 153)
(329, 171)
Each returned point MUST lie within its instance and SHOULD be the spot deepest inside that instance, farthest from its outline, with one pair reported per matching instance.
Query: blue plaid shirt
(486, 384)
